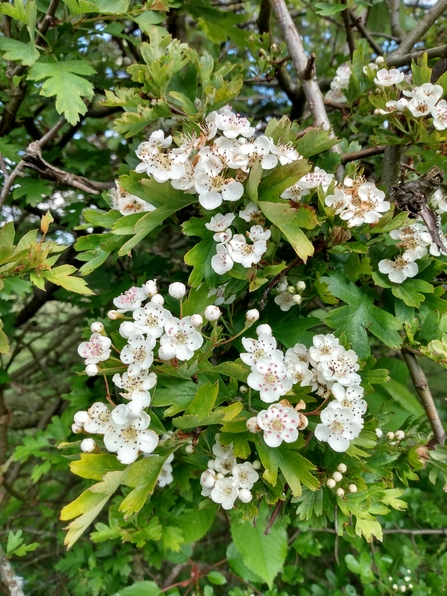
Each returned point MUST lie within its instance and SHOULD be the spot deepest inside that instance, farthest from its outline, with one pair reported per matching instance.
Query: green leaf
(326, 10)
(282, 177)
(200, 257)
(361, 315)
(26, 53)
(296, 470)
(290, 220)
(172, 538)
(105, 6)
(143, 588)
(33, 189)
(94, 465)
(421, 71)
(314, 142)
(141, 476)
(61, 276)
(410, 291)
(204, 401)
(62, 81)
(217, 578)
(265, 555)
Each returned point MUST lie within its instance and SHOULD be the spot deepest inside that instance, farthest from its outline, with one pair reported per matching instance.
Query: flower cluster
(358, 201)
(311, 181)
(215, 163)
(289, 295)
(225, 480)
(416, 242)
(326, 367)
(125, 427)
(339, 84)
(127, 203)
(337, 477)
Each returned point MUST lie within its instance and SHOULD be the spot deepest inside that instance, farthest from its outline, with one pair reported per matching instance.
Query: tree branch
(421, 385)
(396, 29)
(347, 157)
(391, 165)
(12, 581)
(366, 34)
(412, 37)
(437, 52)
(348, 28)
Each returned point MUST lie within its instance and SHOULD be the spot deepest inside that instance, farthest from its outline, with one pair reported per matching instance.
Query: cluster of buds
(337, 477)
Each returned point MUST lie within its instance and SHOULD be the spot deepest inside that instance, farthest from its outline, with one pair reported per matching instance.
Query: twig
(366, 34)
(12, 581)
(416, 34)
(396, 29)
(271, 521)
(421, 385)
(348, 28)
(277, 279)
(391, 165)
(437, 52)
(347, 157)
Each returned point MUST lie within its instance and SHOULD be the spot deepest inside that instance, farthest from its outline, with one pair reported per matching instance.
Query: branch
(300, 62)
(391, 165)
(438, 52)
(348, 28)
(416, 34)
(12, 581)
(421, 385)
(396, 29)
(347, 157)
(366, 34)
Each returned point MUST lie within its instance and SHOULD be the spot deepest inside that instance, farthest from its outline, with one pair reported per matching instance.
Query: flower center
(130, 434)
(337, 427)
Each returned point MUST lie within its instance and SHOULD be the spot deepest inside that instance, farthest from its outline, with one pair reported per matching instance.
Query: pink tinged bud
(252, 316)
(166, 352)
(77, 428)
(208, 479)
(263, 330)
(158, 299)
(88, 445)
(245, 495)
(212, 313)
(177, 290)
(91, 370)
(196, 320)
(330, 483)
(97, 327)
(252, 425)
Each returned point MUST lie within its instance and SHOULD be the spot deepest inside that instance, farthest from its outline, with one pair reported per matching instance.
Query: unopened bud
(177, 290)
(97, 327)
(337, 476)
(150, 287)
(114, 315)
(400, 435)
(342, 468)
(77, 428)
(91, 370)
(297, 299)
(340, 492)
(88, 445)
(81, 417)
(263, 329)
(282, 286)
(330, 483)
(252, 425)
(256, 464)
(127, 328)
(212, 313)
(219, 476)
(352, 488)
(211, 464)
(189, 449)
(245, 495)
(291, 290)
(243, 389)
(390, 435)
(158, 299)
(379, 60)
(252, 316)
(300, 286)
(196, 320)
(208, 479)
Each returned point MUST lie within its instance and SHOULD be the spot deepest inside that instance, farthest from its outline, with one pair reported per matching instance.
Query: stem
(12, 581)
(421, 385)
(391, 165)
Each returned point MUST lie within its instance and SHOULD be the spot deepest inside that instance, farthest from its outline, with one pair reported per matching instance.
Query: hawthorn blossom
(285, 301)
(129, 439)
(416, 240)
(258, 234)
(220, 222)
(246, 254)
(127, 203)
(342, 368)
(338, 427)
(166, 477)
(269, 377)
(399, 269)
(222, 262)
(153, 145)
(225, 464)
(285, 153)
(96, 349)
(130, 300)
(325, 347)
(220, 450)
(183, 338)
(265, 345)
(427, 89)
(279, 423)
(439, 113)
(151, 319)
(338, 201)
(137, 353)
(98, 420)
(438, 202)
(350, 397)
(212, 190)
(300, 374)
(387, 78)
(219, 292)
(314, 179)
(421, 104)
(299, 354)
(260, 149)
(295, 193)
(250, 213)
(232, 125)
(245, 475)
(143, 381)
(225, 492)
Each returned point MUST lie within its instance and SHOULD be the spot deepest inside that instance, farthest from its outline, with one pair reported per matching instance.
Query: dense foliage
(240, 232)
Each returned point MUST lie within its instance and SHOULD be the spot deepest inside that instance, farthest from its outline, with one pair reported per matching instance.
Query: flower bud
(211, 464)
(330, 483)
(158, 299)
(208, 479)
(282, 286)
(127, 328)
(291, 290)
(196, 321)
(245, 495)
(302, 421)
(297, 299)
(177, 290)
(219, 476)
(114, 315)
(256, 464)
(189, 449)
(166, 352)
(379, 433)
(212, 313)
(97, 327)
(300, 286)
(81, 417)
(352, 488)
(263, 329)
(77, 429)
(342, 468)
(91, 370)
(390, 435)
(337, 476)
(88, 445)
(340, 492)
(150, 287)
(252, 316)
(379, 60)
(243, 389)
(400, 435)
(252, 425)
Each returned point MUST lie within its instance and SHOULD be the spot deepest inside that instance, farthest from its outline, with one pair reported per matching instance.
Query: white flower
(177, 290)
(246, 254)
(219, 292)
(296, 355)
(300, 374)
(150, 288)
(427, 89)
(143, 381)
(225, 492)
(387, 78)
(153, 145)
(399, 269)
(232, 125)
(96, 349)
(421, 104)
(260, 149)
(250, 213)
(414, 239)
(285, 153)
(258, 234)
(244, 475)
(99, 419)
(439, 113)
(126, 203)
(295, 192)
(316, 178)
(341, 368)
(338, 427)
(222, 262)
(212, 190)
(285, 301)
(350, 397)
(129, 439)
(182, 337)
(265, 345)
(338, 201)
(223, 237)
(212, 312)
(151, 319)
(365, 202)
(186, 181)
(220, 450)
(162, 166)
(269, 377)
(220, 222)
(137, 353)
(166, 477)
(225, 464)
(279, 423)
(130, 300)
(325, 348)
(438, 202)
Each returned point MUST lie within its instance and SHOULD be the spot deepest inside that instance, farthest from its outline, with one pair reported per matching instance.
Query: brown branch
(396, 29)
(12, 581)
(437, 52)
(309, 73)
(420, 383)
(391, 165)
(347, 157)
(348, 28)
(366, 34)
(416, 34)
(277, 279)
